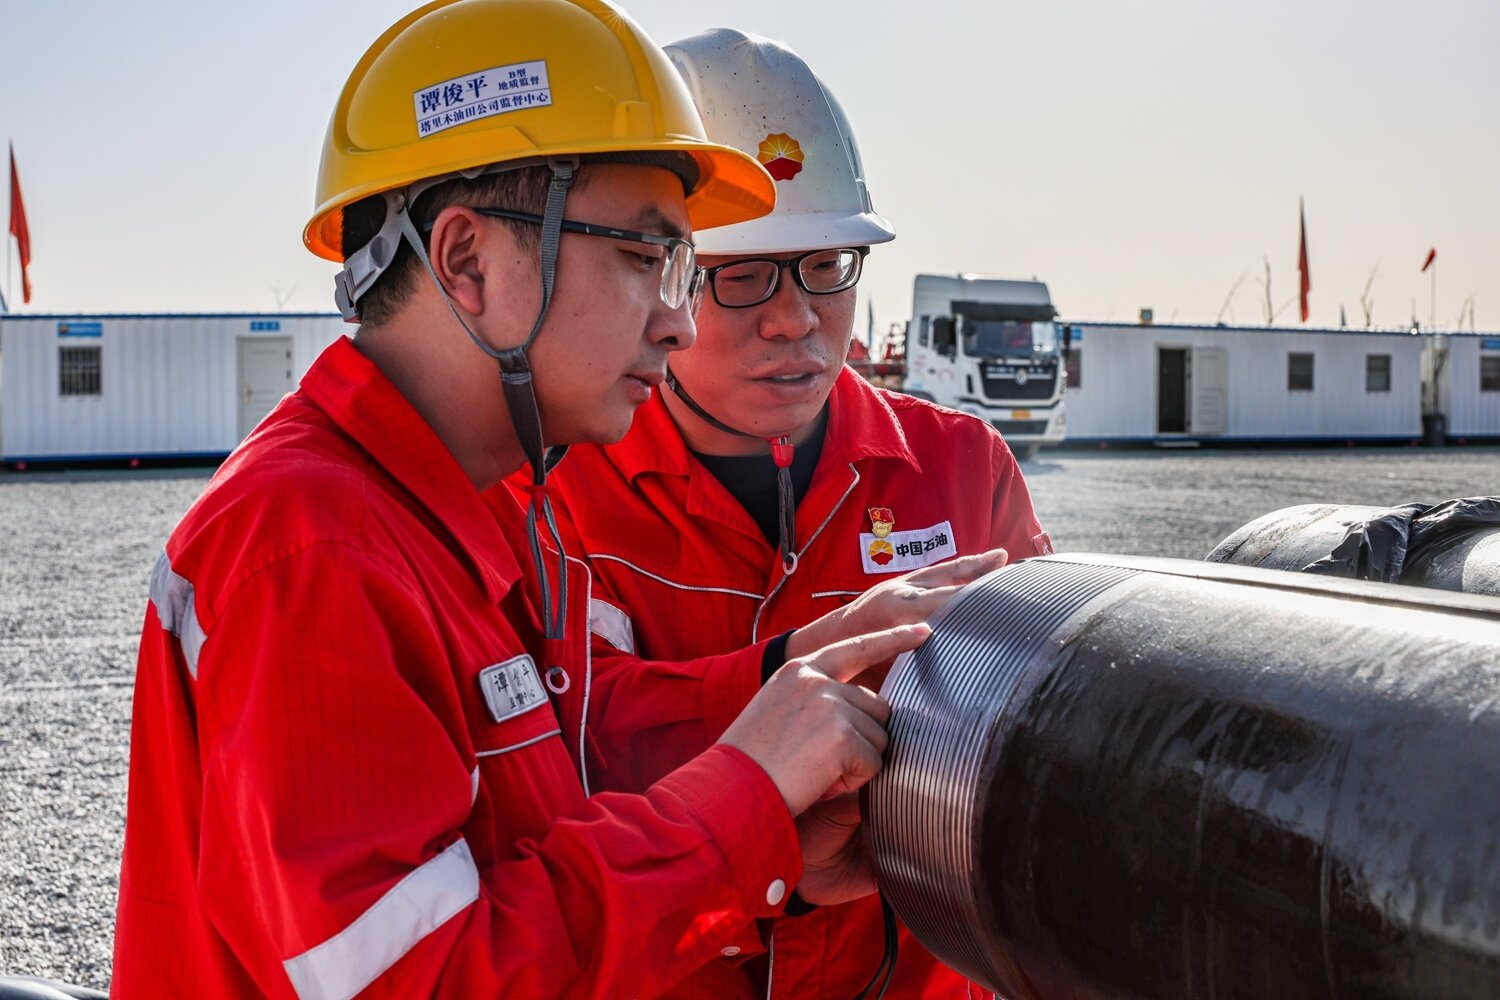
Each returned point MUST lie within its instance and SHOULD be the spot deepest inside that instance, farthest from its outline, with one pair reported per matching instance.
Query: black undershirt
(751, 479)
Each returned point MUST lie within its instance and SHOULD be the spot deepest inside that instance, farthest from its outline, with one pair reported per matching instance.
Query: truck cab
(990, 347)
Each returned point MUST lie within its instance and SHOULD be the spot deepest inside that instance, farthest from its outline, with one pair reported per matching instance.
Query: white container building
(110, 387)
(1147, 383)
(1465, 368)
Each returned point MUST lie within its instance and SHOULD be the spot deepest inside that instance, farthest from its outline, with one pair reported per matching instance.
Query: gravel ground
(72, 593)
(81, 545)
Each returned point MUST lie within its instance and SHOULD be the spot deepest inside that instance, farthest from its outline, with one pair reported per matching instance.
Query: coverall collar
(357, 396)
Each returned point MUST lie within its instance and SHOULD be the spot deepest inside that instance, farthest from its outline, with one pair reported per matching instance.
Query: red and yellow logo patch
(781, 155)
(886, 550)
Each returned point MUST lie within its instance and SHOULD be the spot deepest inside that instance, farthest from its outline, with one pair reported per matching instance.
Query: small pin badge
(882, 523)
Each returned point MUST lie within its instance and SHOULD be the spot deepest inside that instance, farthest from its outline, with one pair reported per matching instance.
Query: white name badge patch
(903, 551)
(481, 95)
(512, 688)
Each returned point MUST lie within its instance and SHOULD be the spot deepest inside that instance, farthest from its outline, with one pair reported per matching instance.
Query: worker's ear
(466, 250)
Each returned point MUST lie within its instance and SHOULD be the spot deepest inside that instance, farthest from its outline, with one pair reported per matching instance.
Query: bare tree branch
(1265, 283)
(282, 297)
(1467, 306)
(1365, 302)
(1227, 307)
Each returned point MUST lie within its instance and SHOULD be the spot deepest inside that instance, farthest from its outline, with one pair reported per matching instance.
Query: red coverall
(681, 572)
(322, 801)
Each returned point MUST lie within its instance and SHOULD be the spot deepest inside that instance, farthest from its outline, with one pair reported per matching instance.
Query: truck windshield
(994, 338)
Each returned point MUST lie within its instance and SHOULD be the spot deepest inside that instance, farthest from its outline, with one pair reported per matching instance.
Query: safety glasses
(753, 280)
(681, 277)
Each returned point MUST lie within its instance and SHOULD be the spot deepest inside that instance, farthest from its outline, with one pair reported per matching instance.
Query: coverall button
(730, 951)
(775, 892)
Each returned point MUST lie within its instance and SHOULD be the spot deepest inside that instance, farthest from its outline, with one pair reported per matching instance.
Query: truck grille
(1010, 427)
(1000, 384)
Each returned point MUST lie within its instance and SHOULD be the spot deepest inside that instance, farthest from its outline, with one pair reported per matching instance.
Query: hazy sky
(1130, 154)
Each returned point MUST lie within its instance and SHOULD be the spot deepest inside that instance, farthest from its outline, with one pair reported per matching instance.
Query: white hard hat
(760, 97)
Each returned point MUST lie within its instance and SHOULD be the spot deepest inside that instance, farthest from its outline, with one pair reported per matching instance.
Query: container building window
(1489, 373)
(78, 371)
(1074, 361)
(1377, 373)
(1299, 372)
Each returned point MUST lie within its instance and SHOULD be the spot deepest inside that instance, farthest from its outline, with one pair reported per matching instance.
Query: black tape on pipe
(1453, 545)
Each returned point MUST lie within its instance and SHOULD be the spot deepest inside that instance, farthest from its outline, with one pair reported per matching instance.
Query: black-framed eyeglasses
(681, 277)
(750, 281)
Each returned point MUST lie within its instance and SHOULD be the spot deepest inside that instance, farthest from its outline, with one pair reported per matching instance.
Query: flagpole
(1432, 317)
(10, 291)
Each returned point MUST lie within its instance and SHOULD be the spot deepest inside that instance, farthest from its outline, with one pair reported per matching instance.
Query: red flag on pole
(1431, 256)
(18, 227)
(1302, 257)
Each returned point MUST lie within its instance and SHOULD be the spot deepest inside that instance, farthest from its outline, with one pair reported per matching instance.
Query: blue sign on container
(1490, 344)
(264, 325)
(75, 328)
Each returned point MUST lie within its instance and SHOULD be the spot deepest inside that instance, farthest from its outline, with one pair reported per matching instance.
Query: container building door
(1172, 375)
(1210, 369)
(265, 376)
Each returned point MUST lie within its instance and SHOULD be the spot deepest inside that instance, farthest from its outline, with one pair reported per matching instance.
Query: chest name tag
(512, 688)
(903, 551)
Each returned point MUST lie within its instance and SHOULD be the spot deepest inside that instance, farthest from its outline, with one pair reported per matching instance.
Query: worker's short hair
(522, 190)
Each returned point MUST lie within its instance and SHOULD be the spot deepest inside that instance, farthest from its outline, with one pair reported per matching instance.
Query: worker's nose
(789, 313)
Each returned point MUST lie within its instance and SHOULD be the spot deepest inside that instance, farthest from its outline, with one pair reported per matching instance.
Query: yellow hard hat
(461, 84)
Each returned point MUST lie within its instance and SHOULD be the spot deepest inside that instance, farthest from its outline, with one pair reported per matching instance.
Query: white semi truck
(989, 347)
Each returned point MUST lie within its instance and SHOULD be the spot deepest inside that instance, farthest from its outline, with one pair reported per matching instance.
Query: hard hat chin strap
(519, 391)
(782, 452)
(363, 267)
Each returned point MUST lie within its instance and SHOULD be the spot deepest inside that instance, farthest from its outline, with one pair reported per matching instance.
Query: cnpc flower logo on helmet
(781, 155)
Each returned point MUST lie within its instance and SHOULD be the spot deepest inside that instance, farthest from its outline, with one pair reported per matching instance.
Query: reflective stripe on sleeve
(173, 597)
(413, 908)
(612, 625)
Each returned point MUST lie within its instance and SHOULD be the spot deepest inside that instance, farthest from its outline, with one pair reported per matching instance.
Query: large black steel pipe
(1146, 778)
(1454, 545)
